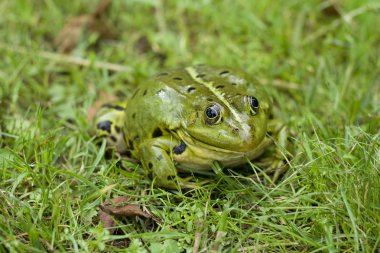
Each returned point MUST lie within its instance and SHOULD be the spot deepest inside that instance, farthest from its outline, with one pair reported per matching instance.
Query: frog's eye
(213, 115)
(254, 104)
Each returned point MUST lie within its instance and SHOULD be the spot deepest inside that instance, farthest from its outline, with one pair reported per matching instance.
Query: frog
(186, 119)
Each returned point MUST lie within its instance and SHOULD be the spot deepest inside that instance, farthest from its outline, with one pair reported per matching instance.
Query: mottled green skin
(165, 126)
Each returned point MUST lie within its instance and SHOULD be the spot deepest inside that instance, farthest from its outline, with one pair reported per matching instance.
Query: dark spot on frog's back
(190, 90)
(157, 133)
(145, 91)
(224, 72)
(105, 126)
(180, 148)
(177, 78)
(220, 86)
(200, 75)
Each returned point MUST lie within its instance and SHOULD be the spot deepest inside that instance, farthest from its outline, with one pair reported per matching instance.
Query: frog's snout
(244, 132)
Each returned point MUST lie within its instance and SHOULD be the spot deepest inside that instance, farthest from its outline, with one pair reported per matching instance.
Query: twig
(198, 236)
(68, 59)
(218, 239)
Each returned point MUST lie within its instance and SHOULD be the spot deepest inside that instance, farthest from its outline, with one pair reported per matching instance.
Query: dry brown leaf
(119, 207)
(332, 9)
(101, 8)
(108, 221)
(70, 34)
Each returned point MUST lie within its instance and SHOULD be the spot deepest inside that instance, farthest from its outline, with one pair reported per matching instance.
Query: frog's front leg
(155, 156)
(282, 151)
(279, 134)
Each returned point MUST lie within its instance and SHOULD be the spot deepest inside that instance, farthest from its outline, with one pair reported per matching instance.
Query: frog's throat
(210, 85)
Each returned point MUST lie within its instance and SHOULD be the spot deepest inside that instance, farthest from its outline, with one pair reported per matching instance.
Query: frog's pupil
(254, 102)
(211, 112)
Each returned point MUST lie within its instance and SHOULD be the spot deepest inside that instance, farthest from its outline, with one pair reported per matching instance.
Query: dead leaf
(108, 221)
(119, 207)
(75, 27)
(101, 8)
(331, 8)
(68, 37)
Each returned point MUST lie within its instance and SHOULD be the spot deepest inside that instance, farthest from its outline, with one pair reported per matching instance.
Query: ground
(319, 61)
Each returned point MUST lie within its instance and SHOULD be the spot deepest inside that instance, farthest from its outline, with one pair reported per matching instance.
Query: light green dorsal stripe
(193, 73)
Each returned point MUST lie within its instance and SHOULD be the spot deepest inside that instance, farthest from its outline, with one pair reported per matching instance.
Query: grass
(53, 177)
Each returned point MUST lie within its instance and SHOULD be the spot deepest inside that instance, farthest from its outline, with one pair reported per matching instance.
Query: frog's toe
(188, 184)
(273, 168)
(278, 167)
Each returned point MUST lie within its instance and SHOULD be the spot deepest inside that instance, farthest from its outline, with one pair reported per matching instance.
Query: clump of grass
(53, 177)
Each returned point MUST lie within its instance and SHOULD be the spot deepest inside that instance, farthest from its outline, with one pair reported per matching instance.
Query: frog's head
(232, 120)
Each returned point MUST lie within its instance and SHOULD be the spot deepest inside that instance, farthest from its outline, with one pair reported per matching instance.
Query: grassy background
(53, 177)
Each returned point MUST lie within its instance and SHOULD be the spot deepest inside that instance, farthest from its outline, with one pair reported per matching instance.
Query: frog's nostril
(235, 129)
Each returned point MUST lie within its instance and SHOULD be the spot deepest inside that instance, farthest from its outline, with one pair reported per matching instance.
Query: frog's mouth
(197, 144)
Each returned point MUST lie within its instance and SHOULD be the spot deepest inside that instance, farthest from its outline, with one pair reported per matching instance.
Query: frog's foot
(273, 168)
(282, 153)
(277, 168)
(276, 164)
(156, 156)
(166, 176)
(109, 124)
(187, 184)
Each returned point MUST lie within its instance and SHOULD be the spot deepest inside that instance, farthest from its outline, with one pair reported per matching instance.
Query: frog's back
(156, 106)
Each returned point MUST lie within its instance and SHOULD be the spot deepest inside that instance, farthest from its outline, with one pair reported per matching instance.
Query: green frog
(187, 118)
